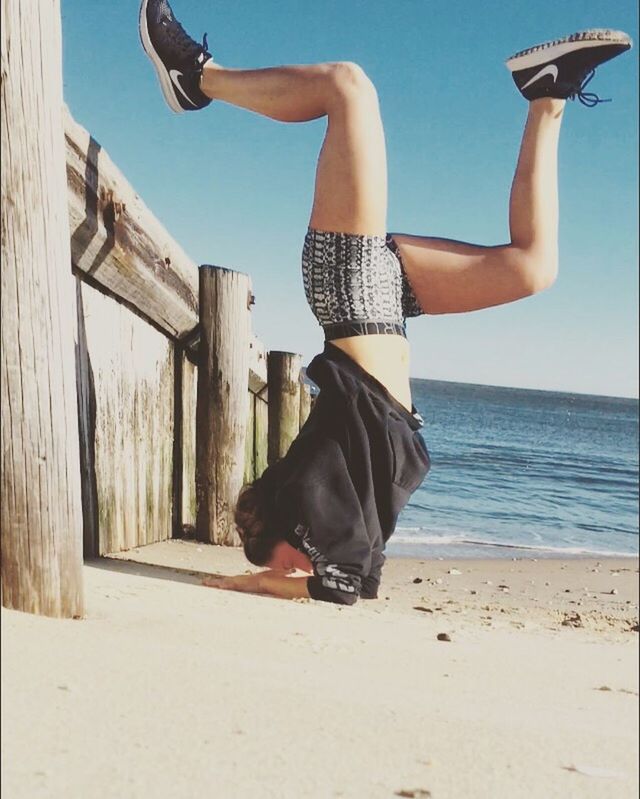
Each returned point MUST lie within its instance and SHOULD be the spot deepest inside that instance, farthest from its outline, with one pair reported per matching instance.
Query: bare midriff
(384, 357)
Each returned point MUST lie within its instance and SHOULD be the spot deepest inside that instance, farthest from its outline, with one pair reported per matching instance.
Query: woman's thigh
(449, 276)
(351, 177)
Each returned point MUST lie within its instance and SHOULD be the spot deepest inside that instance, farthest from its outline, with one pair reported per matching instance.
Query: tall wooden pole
(222, 404)
(41, 506)
(283, 380)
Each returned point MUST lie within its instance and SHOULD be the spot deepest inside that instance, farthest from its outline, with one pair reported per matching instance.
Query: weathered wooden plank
(127, 379)
(41, 514)
(250, 442)
(189, 399)
(283, 370)
(119, 243)
(222, 401)
(86, 394)
(261, 433)
(305, 402)
(257, 365)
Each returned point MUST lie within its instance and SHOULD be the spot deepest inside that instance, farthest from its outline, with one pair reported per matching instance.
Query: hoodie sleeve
(371, 583)
(331, 527)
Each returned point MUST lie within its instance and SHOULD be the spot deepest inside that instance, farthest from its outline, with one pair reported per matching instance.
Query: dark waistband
(413, 418)
(347, 329)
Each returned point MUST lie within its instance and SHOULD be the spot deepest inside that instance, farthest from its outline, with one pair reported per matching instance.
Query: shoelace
(588, 98)
(181, 40)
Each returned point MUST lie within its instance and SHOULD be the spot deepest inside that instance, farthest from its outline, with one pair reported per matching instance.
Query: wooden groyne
(136, 399)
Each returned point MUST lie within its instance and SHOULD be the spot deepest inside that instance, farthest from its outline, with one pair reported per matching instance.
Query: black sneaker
(563, 68)
(177, 58)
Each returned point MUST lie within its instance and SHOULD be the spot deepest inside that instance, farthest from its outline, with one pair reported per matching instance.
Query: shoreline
(430, 550)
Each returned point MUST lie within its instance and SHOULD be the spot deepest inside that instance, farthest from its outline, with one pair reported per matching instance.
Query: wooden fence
(178, 403)
(173, 387)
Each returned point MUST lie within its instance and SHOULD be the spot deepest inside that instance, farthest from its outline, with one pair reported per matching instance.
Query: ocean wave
(462, 540)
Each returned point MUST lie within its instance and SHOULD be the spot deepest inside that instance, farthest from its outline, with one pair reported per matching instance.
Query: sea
(522, 473)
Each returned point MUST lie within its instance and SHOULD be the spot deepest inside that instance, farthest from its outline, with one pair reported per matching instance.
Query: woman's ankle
(551, 106)
(208, 78)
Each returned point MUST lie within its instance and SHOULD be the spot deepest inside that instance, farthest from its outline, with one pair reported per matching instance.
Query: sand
(170, 689)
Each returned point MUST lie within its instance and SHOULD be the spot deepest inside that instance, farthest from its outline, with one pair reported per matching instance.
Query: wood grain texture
(283, 378)
(261, 433)
(189, 400)
(127, 385)
(250, 441)
(41, 512)
(257, 365)
(223, 389)
(305, 402)
(118, 243)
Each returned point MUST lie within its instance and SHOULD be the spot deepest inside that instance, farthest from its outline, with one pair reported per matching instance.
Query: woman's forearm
(268, 583)
(283, 587)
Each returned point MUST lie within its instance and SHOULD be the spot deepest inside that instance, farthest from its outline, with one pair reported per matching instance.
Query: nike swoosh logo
(174, 74)
(550, 69)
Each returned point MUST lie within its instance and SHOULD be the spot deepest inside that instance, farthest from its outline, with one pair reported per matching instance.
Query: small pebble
(615, 574)
(613, 591)
(443, 637)
(473, 591)
(547, 582)
(439, 581)
(454, 571)
(489, 582)
(417, 580)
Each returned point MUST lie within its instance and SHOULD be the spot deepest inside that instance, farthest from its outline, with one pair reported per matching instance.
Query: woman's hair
(255, 523)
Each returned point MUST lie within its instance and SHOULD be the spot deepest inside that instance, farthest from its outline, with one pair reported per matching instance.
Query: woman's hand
(245, 583)
(275, 582)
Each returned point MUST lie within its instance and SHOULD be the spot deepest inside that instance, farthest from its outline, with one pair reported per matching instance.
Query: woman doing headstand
(329, 506)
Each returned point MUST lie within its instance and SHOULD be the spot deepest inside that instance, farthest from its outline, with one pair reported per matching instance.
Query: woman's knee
(349, 79)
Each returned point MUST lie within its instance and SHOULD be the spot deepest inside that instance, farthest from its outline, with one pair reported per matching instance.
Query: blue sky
(235, 190)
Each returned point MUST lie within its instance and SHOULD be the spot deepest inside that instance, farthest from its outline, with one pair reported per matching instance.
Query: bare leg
(451, 276)
(351, 180)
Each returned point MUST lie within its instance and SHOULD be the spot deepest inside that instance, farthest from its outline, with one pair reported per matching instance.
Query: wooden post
(41, 504)
(250, 443)
(261, 433)
(305, 402)
(187, 512)
(221, 415)
(283, 379)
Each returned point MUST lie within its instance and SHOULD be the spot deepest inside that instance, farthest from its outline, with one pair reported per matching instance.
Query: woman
(330, 505)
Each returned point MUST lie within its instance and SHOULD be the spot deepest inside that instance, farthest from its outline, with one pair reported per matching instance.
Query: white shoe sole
(163, 75)
(542, 53)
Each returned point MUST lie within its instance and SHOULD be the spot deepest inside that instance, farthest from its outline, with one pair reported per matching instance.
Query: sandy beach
(170, 689)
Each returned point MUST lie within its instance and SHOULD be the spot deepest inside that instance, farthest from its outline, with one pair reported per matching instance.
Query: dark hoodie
(338, 491)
